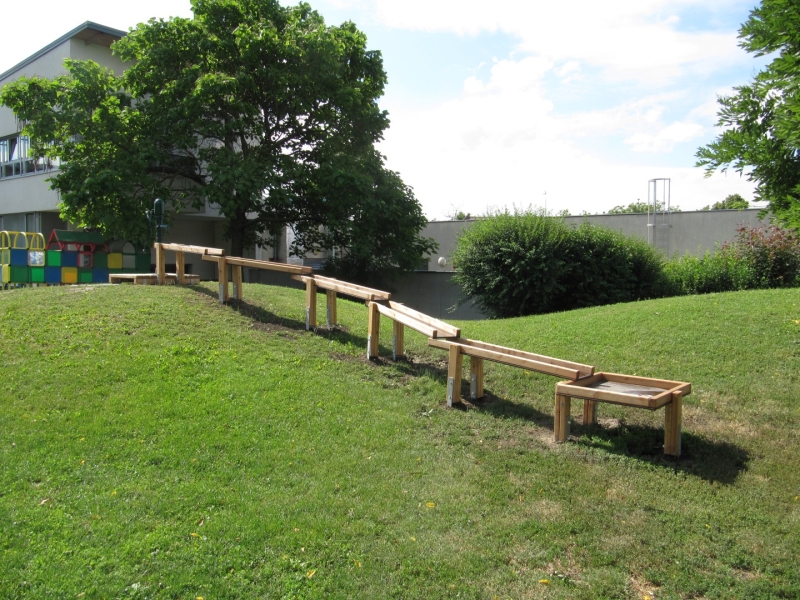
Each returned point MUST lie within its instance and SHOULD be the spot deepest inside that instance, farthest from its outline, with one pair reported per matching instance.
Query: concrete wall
(692, 232)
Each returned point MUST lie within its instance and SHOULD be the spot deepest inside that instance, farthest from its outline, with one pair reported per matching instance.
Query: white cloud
(665, 138)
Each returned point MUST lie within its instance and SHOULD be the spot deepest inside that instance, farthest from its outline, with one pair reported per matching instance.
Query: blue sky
(518, 102)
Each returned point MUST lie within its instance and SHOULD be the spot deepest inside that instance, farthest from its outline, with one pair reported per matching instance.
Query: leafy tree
(731, 202)
(255, 107)
(639, 207)
(762, 120)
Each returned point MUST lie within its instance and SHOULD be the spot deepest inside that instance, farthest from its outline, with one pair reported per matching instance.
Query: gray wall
(692, 232)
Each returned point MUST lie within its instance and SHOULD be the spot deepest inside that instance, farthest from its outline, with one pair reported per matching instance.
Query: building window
(16, 158)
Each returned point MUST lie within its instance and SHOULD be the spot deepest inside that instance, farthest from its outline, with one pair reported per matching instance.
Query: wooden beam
(444, 329)
(589, 412)
(454, 370)
(180, 267)
(331, 308)
(398, 339)
(349, 289)
(261, 264)
(222, 267)
(419, 326)
(194, 249)
(561, 420)
(673, 414)
(161, 267)
(311, 305)
(584, 370)
(324, 282)
(237, 281)
(475, 377)
(507, 359)
(373, 330)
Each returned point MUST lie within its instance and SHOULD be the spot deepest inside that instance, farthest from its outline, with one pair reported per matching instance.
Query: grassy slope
(156, 444)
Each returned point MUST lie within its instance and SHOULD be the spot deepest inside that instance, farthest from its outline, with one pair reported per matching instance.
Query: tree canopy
(639, 207)
(731, 202)
(255, 107)
(761, 120)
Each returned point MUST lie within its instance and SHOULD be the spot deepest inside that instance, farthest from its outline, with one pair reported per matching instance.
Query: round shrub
(527, 263)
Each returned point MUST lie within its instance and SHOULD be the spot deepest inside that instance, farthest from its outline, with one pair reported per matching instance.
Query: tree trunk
(237, 231)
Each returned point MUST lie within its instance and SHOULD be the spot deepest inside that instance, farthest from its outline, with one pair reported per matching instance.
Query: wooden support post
(561, 425)
(161, 267)
(311, 305)
(475, 377)
(331, 304)
(180, 267)
(589, 412)
(236, 271)
(672, 425)
(454, 370)
(398, 339)
(374, 331)
(222, 265)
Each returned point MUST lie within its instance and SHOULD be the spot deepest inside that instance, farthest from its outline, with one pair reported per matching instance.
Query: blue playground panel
(69, 259)
(52, 274)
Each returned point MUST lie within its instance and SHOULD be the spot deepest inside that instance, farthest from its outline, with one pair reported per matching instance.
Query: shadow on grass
(710, 460)
(260, 315)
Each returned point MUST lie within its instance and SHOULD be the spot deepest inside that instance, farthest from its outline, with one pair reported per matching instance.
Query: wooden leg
(237, 282)
(589, 412)
(373, 331)
(672, 425)
(561, 426)
(331, 298)
(222, 267)
(161, 266)
(180, 268)
(399, 339)
(454, 369)
(311, 304)
(475, 377)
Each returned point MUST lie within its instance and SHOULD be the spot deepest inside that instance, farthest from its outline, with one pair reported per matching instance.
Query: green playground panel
(18, 274)
(37, 274)
(100, 260)
(53, 258)
(142, 263)
(84, 275)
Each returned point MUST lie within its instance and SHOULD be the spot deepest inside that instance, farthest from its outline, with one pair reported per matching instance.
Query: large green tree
(761, 121)
(255, 107)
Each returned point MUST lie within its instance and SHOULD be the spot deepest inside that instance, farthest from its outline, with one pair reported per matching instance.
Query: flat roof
(90, 32)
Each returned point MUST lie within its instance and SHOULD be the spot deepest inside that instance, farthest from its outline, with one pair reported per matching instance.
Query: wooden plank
(331, 308)
(260, 264)
(419, 326)
(507, 359)
(342, 287)
(455, 366)
(311, 305)
(584, 370)
(398, 339)
(194, 249)
(373, 331)
(444, 329)
(475, 377)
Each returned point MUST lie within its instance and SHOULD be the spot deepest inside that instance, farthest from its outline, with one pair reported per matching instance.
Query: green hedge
(527, 263)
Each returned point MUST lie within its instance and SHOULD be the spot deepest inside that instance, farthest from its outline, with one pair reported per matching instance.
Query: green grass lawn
(156, 444)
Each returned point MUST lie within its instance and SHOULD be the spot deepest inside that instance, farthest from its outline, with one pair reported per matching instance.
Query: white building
(27, 203)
